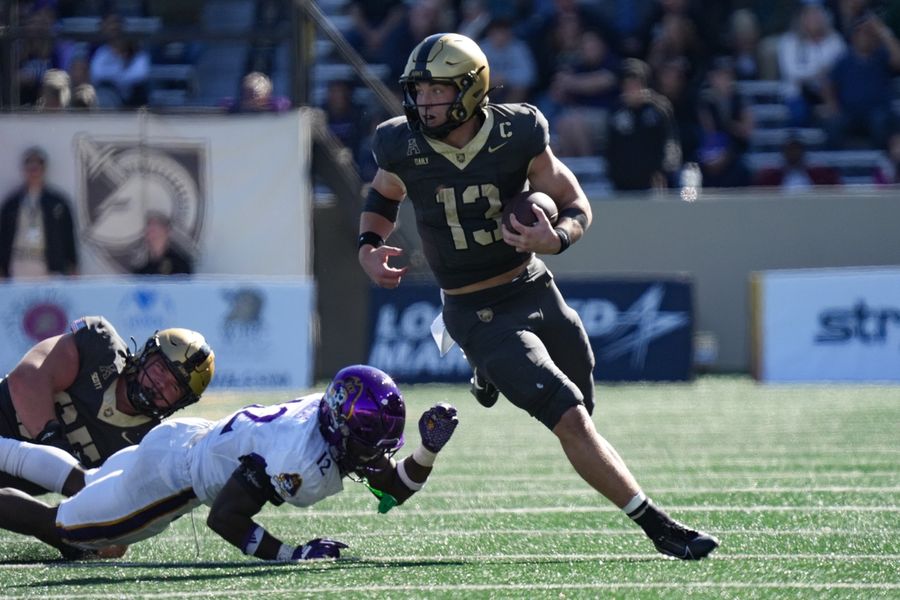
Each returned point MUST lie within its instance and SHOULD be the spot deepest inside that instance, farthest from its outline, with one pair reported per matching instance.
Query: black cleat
(679, 541)
(484, 391)
(72, 553)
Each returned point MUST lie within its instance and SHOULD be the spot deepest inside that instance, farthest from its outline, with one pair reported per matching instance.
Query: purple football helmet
(362, 416)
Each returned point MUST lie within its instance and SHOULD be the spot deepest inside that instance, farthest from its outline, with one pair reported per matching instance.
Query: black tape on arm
(380, 204)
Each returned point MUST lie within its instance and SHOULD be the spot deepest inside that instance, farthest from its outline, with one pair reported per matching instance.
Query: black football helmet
(452, 59)
(185, 354)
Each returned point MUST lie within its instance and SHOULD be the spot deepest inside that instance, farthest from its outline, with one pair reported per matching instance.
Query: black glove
(436, 426)
(53, 434)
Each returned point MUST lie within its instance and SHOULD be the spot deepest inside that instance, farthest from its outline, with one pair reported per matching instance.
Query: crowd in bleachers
(741, 82)
(746, 81)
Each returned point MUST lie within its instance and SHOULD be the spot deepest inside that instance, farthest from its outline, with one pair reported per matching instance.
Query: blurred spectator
(679, 28)
(372, 24)
(37, 232)
(626, 17)
(795, 173)
(474, 18)
(512, 66)
(889, 171)
(643, 148)
(726, 124)
(84, 96)
(346, 120)
(745, 50)
(555, 34)
(860, 88)
(56, 93)
(38, 53)
(805, 55)
(161, 256)
(423, 18)
(79, 69)
(120, 70)
(678, 35)
(672, 82)
(584, 92)
(256, 96)
(845, 13)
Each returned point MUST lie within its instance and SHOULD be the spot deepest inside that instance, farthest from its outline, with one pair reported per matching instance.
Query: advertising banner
(640, 330)
(259, 329)
(235, 188)
(827, 324)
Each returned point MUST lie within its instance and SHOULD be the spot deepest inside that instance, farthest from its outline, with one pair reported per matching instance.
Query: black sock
(650, 518)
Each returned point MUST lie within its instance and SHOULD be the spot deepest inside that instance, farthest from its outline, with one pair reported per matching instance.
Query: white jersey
(285, 436)
(184, 462)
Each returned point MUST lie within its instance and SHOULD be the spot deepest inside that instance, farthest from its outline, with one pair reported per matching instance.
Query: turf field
(801, 484)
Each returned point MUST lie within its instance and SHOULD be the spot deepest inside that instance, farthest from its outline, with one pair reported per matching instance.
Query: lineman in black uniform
(457, 158)
(85, 393)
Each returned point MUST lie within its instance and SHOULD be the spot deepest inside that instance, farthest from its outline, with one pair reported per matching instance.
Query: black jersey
(87, 409)
(458, 193)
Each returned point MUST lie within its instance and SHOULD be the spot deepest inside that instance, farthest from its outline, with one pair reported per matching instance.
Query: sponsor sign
(640, 329)
(229, 187)
(827, 325)
(258, 328)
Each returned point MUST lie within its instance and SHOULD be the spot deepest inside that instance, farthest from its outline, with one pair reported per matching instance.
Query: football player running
(86, 395)
(296, 452)
(457, 157)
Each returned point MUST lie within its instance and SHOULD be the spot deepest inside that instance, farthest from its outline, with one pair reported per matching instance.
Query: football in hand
(520, 205)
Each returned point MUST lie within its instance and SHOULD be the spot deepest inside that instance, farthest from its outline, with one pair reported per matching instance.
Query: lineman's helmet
(186, 355)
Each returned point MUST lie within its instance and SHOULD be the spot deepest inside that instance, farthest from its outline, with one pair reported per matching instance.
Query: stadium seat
(855, 166)
(761, 91)
(228, 15)
(769, 114)
(772, 139)
(71, 25)
(142, 25)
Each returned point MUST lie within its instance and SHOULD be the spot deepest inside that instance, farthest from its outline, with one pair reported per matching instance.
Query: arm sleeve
(252, 475)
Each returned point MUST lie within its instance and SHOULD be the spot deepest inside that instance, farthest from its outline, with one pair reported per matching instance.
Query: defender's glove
(54, 435)
(319, 548)
(436, 426)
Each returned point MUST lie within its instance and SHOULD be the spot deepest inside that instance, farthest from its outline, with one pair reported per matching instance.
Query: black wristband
(564, 240)
(371, 238)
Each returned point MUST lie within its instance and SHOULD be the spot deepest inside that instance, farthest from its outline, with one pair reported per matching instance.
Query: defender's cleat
(679, 541)
(484, 391)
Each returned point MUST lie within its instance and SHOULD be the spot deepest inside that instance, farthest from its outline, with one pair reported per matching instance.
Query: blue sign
(640, 329)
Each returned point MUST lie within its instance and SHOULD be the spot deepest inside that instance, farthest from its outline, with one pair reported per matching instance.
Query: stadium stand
(201, 71)
(855, 166)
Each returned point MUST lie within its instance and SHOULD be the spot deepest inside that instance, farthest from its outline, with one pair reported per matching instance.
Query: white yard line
(384, 589)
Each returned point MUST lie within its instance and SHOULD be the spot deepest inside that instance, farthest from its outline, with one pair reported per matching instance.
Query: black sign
(640, 330)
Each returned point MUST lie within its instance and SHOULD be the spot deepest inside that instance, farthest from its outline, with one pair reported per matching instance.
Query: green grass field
(801, 484)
